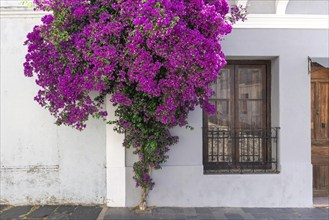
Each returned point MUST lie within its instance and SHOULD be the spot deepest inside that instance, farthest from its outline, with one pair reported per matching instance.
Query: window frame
(225, 166)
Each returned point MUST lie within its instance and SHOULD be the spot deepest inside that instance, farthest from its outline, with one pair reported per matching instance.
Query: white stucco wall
(43, 163)
(40, 162)
(181, 182)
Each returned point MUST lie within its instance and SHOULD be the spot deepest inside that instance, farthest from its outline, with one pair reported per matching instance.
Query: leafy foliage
(156, 58)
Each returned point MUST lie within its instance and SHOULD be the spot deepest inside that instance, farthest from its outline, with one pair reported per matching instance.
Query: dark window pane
(222, 86)
(249, 82)
(222, 117)
(250, 113)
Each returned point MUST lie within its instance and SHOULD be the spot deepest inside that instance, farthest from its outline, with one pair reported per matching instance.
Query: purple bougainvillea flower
(121, 99)
(156, 58)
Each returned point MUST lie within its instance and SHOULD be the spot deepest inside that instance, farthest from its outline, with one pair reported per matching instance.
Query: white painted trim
(253, 20)
(284, 21)
(115, 163)
(281, 6)
(20, 12)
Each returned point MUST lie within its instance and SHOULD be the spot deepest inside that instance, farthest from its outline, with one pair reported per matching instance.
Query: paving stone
(86, 212)
(217, 209)
(266, 213)
(201, 211)
(233, 210)
(240, 212)
(145, 216)
(66, 209)
(168, 210)
(42, 212)
(167, 213)
(312, 213)
(141, 216)
(282, 210)
(206, 217)
(165, 216)
(15, 212)
(62, 212)
(180, 217)
(118, 211)
(134, 218)
(124, 213)
(58, 216)
(282, 217)
(231, 216)
(278, 214)
(92, 212)
(219, 215)
(256, 210)
(247, 216)
(323, 210)
(268, 218)
(189, 212)
(262, 216)
(192, 217)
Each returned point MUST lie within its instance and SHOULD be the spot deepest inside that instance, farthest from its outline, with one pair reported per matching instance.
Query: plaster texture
(45, 164)
(115, 163)
(40, 162)
(182, 183)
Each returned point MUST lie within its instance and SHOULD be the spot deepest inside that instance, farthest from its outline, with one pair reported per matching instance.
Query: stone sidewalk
(49, 212)
(221, 213)
(99, 213)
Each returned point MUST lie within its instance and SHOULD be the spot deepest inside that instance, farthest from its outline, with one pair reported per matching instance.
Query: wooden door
(320, 129)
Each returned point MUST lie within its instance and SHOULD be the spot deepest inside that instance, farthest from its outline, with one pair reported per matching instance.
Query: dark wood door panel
(320, 130)
(323, 111)
(320, 156)
(313, 110)
(321, 184)
(320, 151)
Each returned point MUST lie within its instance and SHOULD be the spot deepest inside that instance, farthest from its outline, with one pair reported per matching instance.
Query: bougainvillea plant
(153, 59)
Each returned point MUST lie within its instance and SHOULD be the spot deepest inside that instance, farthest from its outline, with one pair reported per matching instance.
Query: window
(239, 137)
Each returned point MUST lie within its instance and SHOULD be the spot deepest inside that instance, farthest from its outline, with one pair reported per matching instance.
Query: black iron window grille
(241, 150)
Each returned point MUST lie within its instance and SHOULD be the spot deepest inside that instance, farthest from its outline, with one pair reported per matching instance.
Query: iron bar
(249, 144)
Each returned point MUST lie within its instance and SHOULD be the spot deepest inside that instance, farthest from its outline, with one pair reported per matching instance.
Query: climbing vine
(155, 58)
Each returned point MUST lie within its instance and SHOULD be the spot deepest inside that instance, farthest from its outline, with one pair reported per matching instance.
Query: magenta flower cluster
(156, 58)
